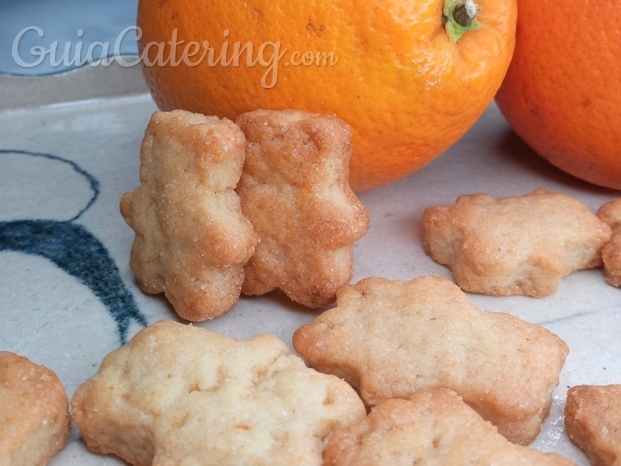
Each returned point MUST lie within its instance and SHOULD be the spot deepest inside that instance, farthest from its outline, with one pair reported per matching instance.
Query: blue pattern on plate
(75, 250)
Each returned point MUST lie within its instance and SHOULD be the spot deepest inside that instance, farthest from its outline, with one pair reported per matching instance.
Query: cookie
(610, 213)
(593, 422)
(34, 412)
(392, 338)
(515, 245)
(430, 427)
(294, 189)
(178, 394)
(191, 238)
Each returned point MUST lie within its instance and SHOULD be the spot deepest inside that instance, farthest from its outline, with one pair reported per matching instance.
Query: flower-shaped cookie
(593, 422)
(391, 338)
(515, 245)
(430, 427)
(179, 394)
(34, 412)
(611, 253)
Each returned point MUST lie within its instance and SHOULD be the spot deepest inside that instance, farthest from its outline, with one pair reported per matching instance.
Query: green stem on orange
(460, 17)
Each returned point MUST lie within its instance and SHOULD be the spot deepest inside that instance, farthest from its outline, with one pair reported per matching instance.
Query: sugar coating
(610, 213)
(430, 428)
(593, 422)
(295, 190)
(191, 238)
(34, 412)
(514, 245)
(390, 338)
(178, 394)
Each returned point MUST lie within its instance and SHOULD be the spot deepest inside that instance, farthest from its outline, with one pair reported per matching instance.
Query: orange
(562, 92)
(387, 67)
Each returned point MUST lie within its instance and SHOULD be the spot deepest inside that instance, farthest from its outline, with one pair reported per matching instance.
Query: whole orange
(388, 68)
(562, 92)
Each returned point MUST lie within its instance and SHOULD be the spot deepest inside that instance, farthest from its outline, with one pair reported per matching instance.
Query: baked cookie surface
(34, 412)
(430, 428)
(611, 253)
(295, 191)
(593, 422)
(191, 239)
(180, 394)
(391, 338)
(516, 245)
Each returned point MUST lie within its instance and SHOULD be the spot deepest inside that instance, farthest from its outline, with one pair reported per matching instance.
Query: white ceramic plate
(64, 166)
